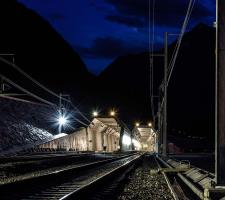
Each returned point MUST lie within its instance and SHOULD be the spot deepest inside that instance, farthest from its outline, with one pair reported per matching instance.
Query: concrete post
(165, 97)
(220, 94)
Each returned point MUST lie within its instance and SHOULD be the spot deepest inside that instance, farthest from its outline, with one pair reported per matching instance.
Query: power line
(153, 42)
(149, 46)
(35, 96)
(151, 51)
(39, 84)
(28, 76)
(80, 112)
(184, 26)
(78, 120)
(75, 107)
(26, 91)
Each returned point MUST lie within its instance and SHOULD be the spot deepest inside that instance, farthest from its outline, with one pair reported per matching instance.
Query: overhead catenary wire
(28, 76)
(81, 122)
(184, 26)
(26, 91)
(40, 85)
(176, 50)
(181, 33)
(187, 16)
(151, 51)
(75, 108)
(149, 47)
(35, 96)
(153, 44)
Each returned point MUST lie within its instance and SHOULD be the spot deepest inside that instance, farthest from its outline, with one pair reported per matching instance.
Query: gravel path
(142, 185)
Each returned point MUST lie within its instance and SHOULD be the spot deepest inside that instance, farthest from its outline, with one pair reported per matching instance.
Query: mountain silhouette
(124, 85)
(40, 51)
(191, 87)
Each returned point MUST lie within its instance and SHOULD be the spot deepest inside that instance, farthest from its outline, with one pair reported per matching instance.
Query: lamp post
(62, 121)
(112, 113)
(165, 96)
(95, 114)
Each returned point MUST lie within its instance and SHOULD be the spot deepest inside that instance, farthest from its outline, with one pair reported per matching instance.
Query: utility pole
(2, 87)
(220, 94)
(60, 111)
(165, 95)
(159, 127)
(60, 103)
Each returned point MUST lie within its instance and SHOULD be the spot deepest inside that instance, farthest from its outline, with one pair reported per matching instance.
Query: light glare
(95, 113)
(112, 113)
(126, 140)
(136, 143)
(62, 120)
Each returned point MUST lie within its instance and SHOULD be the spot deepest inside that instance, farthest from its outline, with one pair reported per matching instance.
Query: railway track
(126, 177)
(20, 168)
(69, 183)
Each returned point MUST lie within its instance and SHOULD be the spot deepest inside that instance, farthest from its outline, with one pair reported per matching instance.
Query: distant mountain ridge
(191, 88)
(124, 84)
(39, 50)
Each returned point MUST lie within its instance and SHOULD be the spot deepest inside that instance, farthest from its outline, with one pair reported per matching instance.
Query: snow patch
(60, 135)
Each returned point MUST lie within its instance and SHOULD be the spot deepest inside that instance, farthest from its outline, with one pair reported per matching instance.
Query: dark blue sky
(101, 30)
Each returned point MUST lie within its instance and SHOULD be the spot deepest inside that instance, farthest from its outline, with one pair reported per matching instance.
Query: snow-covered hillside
(23, 124)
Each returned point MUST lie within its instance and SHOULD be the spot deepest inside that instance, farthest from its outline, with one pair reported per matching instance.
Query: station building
(103, 134)
(145, 139)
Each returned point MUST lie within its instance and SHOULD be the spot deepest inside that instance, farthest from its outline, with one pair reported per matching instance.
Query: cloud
(167, 13)
(129, 21)
(109, 47)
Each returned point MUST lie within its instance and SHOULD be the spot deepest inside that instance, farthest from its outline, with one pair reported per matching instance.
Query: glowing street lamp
(112, 113)
(150, 124)
(137, 124)
(95, 113)
(62, 121)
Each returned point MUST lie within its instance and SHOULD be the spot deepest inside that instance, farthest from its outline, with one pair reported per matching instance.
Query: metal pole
(220, 94)
(159, 126)
(60, 111)
(1, 85)
(165, 96)
(60, 102)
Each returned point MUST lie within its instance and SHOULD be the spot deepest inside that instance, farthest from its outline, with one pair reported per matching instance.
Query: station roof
(109, 121)
(109, 124)
(112, 122)
(144, 132)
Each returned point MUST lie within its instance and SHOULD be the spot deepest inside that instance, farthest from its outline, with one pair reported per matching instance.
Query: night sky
(101, 30)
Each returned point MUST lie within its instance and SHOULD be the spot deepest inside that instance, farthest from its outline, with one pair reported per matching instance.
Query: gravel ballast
(144, 185)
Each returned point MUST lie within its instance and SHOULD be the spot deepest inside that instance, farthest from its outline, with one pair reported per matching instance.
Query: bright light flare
(126, 140)
(112, 113)
(62, 120)
(95, 113)
(136, 144)
(137, 124)
(150, 124)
